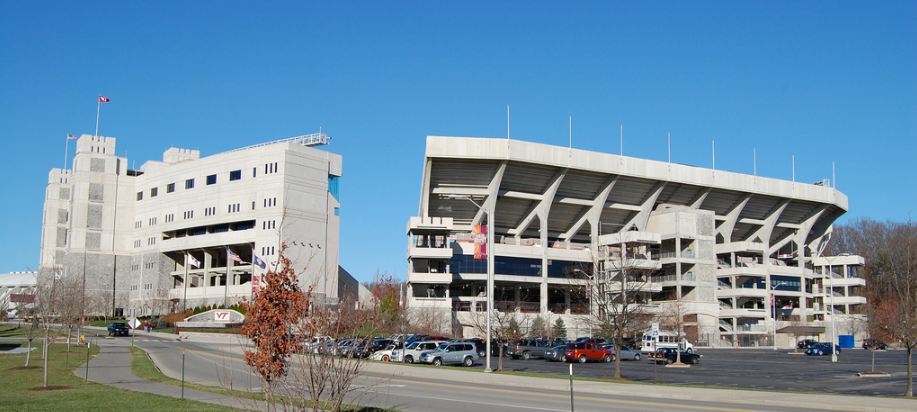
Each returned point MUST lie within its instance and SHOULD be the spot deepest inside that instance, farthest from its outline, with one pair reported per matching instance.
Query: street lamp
(775, 285)
(831, 309)
(490, 273)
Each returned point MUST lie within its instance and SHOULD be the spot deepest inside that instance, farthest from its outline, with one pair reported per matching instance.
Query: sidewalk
(739, 397)
(112, 366)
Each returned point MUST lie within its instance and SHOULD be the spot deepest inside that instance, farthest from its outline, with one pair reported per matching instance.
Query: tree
(559, 330)
(273, 315)
(674, 317)
(616, 291)
(896, 268)
(386, 300)
(504, 329)
(538, 328)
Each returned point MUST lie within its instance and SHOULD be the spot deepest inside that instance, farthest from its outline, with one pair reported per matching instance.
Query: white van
(664, 339)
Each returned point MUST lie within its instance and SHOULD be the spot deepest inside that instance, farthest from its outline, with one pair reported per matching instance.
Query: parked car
(805, 343)
(531, 348)
(583, 352)
(413, 351)
(627, 353)
(665, 356)
(479, 345)
(452, 354)
(556, 354)
(823, 348)
(871, 343)
(118, 329)
(390, 353)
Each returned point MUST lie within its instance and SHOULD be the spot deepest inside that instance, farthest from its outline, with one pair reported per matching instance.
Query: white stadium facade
(741, 252)
(185, 231)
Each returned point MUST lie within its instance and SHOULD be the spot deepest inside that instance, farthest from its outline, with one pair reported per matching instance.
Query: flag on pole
(71, 137)
(479, 234)
(103, 99)
(233, 256)
(256, 284)
(194, 262)
(259, 263)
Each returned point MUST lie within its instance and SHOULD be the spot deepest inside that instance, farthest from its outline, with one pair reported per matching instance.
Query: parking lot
(753, 368)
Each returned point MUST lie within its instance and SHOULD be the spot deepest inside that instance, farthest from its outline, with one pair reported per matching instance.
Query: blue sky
(822, 80)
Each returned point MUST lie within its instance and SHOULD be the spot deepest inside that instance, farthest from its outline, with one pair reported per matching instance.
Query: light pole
(490, 275)
(831, 310)
(775, 285)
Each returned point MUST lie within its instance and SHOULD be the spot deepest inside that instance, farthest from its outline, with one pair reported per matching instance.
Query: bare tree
(616, 290)
(674, 318)
(896, 267)
(504, 329)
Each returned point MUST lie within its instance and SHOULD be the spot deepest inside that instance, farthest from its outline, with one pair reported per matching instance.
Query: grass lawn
(14, 331)
(22, 388)
(143, 367)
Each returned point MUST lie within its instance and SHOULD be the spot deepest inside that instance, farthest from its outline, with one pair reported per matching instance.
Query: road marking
(656, 405)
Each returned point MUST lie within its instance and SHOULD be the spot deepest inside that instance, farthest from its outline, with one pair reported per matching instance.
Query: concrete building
(183, 231)
(722, 243)
(15, 283)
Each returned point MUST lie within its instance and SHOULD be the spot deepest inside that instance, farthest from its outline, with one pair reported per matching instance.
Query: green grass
(21, 387)
(14, 331)
(143, 367)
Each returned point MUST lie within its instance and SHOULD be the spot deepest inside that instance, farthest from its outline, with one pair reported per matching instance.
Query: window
(210, 211)
(170, 187)
(233, 208)
(154, 192)
(153, 221)
(170, 218)
(138, 224)
(211, 180)
(254, 172)
(188, 214)
(270, 202)
(137, 243)
(139, 195)
(189, 183)
(235, 175)
(269, 224)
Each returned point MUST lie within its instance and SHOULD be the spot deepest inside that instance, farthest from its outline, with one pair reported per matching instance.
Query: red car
(583, 352)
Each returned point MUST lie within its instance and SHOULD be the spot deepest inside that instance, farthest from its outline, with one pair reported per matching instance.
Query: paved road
(221, 364)
(757, 369)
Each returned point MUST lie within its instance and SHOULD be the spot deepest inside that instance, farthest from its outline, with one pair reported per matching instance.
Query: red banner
(479, 232)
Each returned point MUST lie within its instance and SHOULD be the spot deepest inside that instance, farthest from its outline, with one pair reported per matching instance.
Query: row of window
(234, 175)
(268, 224)
(208, 211)
(268, 250)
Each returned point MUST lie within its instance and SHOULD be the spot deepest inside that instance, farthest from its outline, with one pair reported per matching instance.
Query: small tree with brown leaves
(271, 323)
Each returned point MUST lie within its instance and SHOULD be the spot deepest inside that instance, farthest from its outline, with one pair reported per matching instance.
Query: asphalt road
(755, 369)
(215, 364)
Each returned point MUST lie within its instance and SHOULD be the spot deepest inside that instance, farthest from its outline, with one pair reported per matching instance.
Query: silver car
(627, 353)
(457, 353)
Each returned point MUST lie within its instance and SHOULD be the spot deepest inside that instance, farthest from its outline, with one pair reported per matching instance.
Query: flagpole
(66, 152)
(226, 283)
(184, 299)
(98, 110)
(252, 289)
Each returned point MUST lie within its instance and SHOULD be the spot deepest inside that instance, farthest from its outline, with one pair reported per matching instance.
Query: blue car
(822, 348)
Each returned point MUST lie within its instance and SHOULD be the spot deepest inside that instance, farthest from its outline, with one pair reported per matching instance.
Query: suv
(531, 348)
(452, 353)
(808, 343)
(583, 352)
(871, 343)
(414, 350)
(118, 329)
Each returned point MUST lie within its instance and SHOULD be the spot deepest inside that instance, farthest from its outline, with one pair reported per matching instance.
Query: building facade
(738, 255)
(13, 285)
(185, 231)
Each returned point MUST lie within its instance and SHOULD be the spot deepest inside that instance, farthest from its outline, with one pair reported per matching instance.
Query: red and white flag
(103, 99)
(71, 137)
(234, 257)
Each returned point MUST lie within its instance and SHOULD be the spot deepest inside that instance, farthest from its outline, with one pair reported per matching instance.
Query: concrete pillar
(208, 262)
(543, 297)
(677, 263)
(567, 307)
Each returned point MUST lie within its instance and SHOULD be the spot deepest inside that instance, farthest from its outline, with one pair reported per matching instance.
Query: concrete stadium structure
(15, 283)
(135, 234)
(741, 252)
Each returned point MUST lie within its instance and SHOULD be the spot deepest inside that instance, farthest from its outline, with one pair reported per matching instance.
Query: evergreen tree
(560, 330)
(538, 327)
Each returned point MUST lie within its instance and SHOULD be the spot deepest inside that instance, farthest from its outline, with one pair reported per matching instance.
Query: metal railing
(312, 139)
